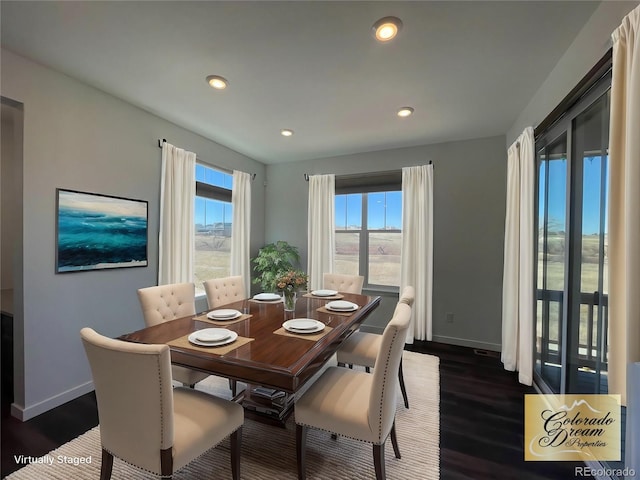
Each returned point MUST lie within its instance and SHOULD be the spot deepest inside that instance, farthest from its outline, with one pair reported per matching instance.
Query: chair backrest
(382, 401)
(343, 283)
(135, 397)
(166, 302)
(221, 291)
(408, 295)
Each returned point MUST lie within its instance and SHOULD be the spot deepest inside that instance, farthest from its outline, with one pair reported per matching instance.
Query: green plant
(272, 262)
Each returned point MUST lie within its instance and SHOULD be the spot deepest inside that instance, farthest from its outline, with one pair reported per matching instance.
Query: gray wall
(589, 46)
(469, 209)
(80, 138)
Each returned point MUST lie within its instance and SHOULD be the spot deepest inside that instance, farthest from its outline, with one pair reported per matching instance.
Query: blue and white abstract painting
(100, 231)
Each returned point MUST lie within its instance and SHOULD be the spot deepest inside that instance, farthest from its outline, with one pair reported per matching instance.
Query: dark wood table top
(278, 361)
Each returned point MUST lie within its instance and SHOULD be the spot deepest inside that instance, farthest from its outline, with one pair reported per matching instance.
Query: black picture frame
(96, 231)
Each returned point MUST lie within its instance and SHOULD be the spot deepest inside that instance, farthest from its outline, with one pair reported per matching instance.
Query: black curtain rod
(160, 142)
(306, 175)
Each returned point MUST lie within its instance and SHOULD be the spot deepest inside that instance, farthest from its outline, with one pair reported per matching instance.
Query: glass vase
(289, 300)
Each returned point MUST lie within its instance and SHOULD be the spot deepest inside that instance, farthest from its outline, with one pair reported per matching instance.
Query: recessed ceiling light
(386, 28)
(405, 111)
(217, 82)
(286, 132)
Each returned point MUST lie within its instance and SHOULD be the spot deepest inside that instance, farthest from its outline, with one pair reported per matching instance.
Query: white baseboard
(463, 342)
(23, 413)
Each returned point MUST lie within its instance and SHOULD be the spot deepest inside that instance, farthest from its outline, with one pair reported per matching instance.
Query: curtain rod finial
(306, 177)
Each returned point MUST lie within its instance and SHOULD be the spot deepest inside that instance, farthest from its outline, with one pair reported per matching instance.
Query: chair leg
(367, 369)
(378, 462)
(106, 466)
(301, 448)
(394, 440)
(340, 364)
(166, 463)
(403, 389)
(233, 385)
(236, 445)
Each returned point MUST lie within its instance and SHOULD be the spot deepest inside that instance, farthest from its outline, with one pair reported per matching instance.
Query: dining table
(263, 353)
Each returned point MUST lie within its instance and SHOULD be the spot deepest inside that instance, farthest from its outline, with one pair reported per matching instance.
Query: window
(572, 247)
(369, 236)
(213, 223)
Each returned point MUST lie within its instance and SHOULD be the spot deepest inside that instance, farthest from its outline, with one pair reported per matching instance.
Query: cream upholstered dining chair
(343, 283)
(147, 423)
(356, 404)
(221, 291)
(168, 302)
(361, 348)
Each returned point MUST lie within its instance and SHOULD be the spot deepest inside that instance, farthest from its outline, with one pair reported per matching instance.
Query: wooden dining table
(264, 353)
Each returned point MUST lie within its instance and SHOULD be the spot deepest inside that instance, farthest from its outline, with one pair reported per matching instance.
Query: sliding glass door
(587, 361)
(553, 171)
(572, 278)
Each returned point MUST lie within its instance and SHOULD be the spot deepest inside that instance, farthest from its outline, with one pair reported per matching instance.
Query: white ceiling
(468, 68)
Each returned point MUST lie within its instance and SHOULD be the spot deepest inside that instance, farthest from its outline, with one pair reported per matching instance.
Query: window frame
(364, 184)
(561, 122)
(209, 191)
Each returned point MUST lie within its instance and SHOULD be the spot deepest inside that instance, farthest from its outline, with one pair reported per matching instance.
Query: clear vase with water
(289, 300)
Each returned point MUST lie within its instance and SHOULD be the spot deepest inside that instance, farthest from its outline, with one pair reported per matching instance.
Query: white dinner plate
(324, 293)
(213, 337)
(224, 314)
(267, 297)
(341, 306)
(303, 325)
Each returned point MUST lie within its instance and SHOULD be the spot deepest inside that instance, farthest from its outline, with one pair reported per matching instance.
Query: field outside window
(369, 236)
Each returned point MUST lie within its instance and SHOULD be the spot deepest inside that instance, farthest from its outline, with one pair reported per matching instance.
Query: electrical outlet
(449, 317)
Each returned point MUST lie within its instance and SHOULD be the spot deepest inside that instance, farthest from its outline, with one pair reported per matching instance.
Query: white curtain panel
(241, 227)
(177, 192)
(517, 279)
(321, 243)
(416, 259)
(624, 204)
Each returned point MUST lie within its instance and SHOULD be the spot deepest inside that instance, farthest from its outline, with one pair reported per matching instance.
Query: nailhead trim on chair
(161, 405)
(345, 436)
(161, 432)
(384, 384)
(175, 471)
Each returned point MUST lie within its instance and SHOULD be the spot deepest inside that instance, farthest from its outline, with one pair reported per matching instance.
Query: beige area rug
(268, 453)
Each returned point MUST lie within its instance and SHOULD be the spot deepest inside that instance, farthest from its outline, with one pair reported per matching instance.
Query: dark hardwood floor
(481, 422)
(48, 431)
(482, 419)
